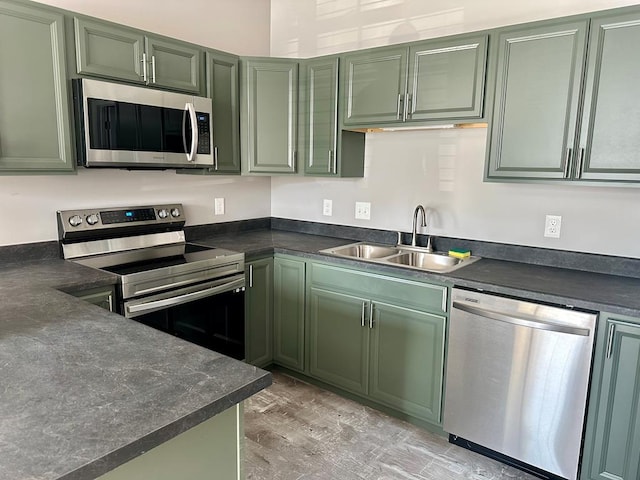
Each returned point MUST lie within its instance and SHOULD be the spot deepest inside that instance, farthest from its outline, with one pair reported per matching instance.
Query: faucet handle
(399, 242)
(429, 246)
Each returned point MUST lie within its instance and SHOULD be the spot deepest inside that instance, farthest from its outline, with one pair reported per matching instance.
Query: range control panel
(97, 219)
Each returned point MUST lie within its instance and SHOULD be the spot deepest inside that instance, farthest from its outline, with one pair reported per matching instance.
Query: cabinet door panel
(539, 73)
(612, 100)
(447, 79)
(173, 65)
(269, 126)
(34, 105)
(222, 82)
(616, 449)
(259, 312)
(407, 355)
(375, 84)
(319, 116)
(288, 313)
(108, 51)
(339, 339)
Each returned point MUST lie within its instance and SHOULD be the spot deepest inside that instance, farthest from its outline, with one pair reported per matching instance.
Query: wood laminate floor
(297, 431)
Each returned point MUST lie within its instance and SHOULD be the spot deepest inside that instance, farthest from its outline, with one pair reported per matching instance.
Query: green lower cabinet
(612, 441)
(288, 312)
(259, 312)
(35, 125)
(339, 339)
(102, 297)
(407, 354)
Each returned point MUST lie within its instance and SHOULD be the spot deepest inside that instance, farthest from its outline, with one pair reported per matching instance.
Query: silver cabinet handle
(144, 67)
(612, 331)
(521, 320)
(364, 305)
(251, 276)
(194, 132)
(399, 112)
(371, 315)
(153, 68)
(406, 102)
(329, 164)
(580, 164)
(215, 158)
(110, 302)
(413, 104)
(567, 163)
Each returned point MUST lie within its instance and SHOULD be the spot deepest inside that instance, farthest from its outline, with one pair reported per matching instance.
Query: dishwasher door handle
(521, 321)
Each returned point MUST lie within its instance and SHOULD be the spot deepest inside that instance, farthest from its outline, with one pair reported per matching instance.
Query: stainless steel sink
(426, 261)
(365, 251)
(401, 255)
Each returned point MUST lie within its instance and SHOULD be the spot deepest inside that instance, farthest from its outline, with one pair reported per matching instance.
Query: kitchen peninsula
(88, 393)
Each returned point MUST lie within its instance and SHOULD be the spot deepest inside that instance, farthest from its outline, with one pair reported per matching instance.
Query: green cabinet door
(109, 51)
(374, 85)
(288, 312)
(446, 79)
(608, 148)
(269, 101)
(173, 64)
(612, 443)
(222, 84)
(319, 115)
(339, 339)
(259, 312)
(35, 126)
(102, 297)
(538, 76)
(407, 355)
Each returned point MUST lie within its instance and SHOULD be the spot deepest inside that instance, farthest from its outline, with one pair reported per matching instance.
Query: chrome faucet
(419, 209)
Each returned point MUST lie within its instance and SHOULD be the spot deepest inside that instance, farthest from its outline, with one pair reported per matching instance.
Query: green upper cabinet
(112, 51)
(259, 312)
(427, 81)
(609, 143)
(325, 148)
(537, 92)
(612, 441)
(564, 101)
(222, 85)
(269, 115)
(35, 124)
(289, 312)
(375, 84)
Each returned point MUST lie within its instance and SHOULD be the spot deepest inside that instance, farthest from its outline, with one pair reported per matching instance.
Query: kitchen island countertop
(85, 390)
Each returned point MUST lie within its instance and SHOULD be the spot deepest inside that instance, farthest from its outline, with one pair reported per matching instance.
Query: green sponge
(459, 253)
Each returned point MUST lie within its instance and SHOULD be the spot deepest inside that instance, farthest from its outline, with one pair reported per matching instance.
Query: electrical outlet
(552, 226)
(327, 207)
(219, 206)
(363, 210)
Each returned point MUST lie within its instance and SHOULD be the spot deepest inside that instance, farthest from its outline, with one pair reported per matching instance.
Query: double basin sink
(401, 255)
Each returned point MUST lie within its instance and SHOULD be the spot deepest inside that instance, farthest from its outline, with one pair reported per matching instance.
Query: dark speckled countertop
(562, 286)
(85, 390)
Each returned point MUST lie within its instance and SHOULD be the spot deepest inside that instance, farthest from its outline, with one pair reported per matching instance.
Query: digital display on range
(125, 216)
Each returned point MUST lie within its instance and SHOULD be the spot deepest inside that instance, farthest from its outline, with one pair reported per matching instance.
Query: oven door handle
(141, 308)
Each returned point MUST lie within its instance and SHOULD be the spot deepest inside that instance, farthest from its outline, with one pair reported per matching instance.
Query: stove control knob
(92, 219)
(75, 220)
(175, 212)
(163, 213)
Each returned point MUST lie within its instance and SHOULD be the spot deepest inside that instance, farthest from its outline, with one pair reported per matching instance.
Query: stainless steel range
(190, 291)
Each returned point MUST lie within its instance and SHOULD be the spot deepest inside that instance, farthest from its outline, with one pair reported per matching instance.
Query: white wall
(239, 26)
(442, 169)
(236, 26)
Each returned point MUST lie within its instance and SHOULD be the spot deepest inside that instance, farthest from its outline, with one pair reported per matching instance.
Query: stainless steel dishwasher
(517, 380)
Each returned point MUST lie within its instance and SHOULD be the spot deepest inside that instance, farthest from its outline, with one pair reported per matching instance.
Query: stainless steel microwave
(133, 127)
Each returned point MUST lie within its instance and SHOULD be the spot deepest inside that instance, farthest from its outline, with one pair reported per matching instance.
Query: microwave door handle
(194, 132)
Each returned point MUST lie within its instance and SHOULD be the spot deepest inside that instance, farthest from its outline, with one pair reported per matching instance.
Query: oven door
(209, 314)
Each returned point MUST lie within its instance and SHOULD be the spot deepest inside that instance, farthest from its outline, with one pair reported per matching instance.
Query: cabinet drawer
(406, 293)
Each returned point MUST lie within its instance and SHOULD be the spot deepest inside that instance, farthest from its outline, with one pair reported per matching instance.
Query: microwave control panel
(204, 133)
